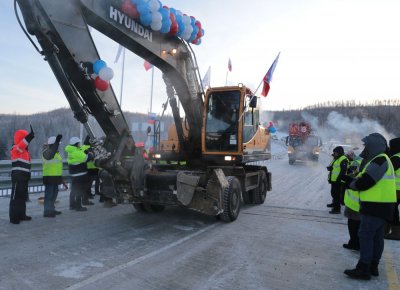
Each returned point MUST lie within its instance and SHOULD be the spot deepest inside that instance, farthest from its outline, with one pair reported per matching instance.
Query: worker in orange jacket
(20, 175)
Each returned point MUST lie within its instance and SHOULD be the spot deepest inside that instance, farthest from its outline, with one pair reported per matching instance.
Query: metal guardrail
(36, 181)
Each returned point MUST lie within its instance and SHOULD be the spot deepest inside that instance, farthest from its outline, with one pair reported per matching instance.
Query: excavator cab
(231, 131)
(221, 122)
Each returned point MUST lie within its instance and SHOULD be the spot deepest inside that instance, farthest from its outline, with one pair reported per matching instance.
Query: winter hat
(74, 140)
(339, 150)
(51, 140)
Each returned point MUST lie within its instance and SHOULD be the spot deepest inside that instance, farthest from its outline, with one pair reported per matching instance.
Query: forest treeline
(348, 117)
(380, 114)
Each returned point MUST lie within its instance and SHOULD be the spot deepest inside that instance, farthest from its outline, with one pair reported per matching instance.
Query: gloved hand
(329, 168)
(89, 150)
(90, 156)
(58, 138)
(30, 136)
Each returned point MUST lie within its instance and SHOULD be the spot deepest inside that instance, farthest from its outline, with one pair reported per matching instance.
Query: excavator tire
(247, 197)
(231, 200)
(260, 192)
(139, 207)
(157, 207)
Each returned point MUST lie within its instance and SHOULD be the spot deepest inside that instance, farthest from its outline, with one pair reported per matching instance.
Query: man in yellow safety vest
(377, 192)
(52, 174)
(337, 169)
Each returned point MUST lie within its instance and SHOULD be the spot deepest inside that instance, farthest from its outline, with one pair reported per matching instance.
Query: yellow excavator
(213, 157)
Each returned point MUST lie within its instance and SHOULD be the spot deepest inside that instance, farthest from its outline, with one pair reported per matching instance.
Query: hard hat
(74, 140)
(51, 140)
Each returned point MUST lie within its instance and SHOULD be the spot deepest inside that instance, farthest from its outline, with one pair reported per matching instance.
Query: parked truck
(303, 143)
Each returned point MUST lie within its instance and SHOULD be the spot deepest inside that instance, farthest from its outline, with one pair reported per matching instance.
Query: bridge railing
(36, 182)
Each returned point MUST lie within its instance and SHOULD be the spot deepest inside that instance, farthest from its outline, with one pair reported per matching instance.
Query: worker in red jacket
(20, 175)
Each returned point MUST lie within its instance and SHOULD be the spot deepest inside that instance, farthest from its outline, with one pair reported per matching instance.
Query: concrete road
(290, 242)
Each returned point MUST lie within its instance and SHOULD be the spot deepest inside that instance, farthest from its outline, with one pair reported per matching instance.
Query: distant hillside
(333, 121)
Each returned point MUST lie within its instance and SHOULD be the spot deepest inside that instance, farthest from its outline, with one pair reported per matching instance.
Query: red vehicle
(303, 144)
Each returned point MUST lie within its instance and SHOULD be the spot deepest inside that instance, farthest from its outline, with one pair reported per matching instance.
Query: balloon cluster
(102, 75)
(151, 13)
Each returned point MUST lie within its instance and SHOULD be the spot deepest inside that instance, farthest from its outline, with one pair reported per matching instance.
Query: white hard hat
(74, 140)
(51, 140)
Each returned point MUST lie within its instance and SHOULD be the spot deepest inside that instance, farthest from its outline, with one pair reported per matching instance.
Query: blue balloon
(143, 8)
(202, 32)
(166, 26)
(164, 13)
(272, 130)
(172, 10)
(146, 19)
(198, 41)
(98, 65)
(194, 33)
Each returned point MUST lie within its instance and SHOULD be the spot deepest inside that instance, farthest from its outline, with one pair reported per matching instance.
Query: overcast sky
(330, 50)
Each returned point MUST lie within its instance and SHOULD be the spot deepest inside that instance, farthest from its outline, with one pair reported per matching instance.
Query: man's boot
(394, 234)
(374, 269)
(361, 272)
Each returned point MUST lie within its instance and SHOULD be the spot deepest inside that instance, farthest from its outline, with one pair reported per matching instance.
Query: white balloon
(106, 74)
(154, 5)
(188, 30)
(186, 19)
(156, 25)
(156, 16)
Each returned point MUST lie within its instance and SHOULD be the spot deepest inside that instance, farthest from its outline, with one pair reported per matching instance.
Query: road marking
(137, 260)
(393, 281)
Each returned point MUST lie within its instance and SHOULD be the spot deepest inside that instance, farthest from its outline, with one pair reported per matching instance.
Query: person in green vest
(337, 169)
(352, 204)
(393, 232)
(377, 192)
(52, 174)
(77, 160)
(93, 174)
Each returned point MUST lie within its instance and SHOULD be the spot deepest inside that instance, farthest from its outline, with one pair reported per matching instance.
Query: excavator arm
(62, 30)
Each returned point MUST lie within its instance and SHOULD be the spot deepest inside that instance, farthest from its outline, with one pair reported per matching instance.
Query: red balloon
(172, 17)
(198, 24)
(129, 8)
(100, 84)
(174, 29)
(195, 41)
(166, 7)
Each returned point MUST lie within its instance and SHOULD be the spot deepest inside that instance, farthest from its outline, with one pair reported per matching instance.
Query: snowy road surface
(289, 242)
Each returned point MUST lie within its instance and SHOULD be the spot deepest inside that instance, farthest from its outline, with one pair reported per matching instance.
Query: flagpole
(226, 78)
(122, 78)
(151, 90)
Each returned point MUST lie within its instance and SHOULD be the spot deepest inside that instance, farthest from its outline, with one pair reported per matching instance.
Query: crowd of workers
(369, 187)
(82, 170)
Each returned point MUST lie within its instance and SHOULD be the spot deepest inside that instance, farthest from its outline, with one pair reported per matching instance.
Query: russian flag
(268, 77)
(147, 65)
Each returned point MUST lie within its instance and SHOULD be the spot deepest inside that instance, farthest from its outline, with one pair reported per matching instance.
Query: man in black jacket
(377, 189)
(337, 169)
(394, 225)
